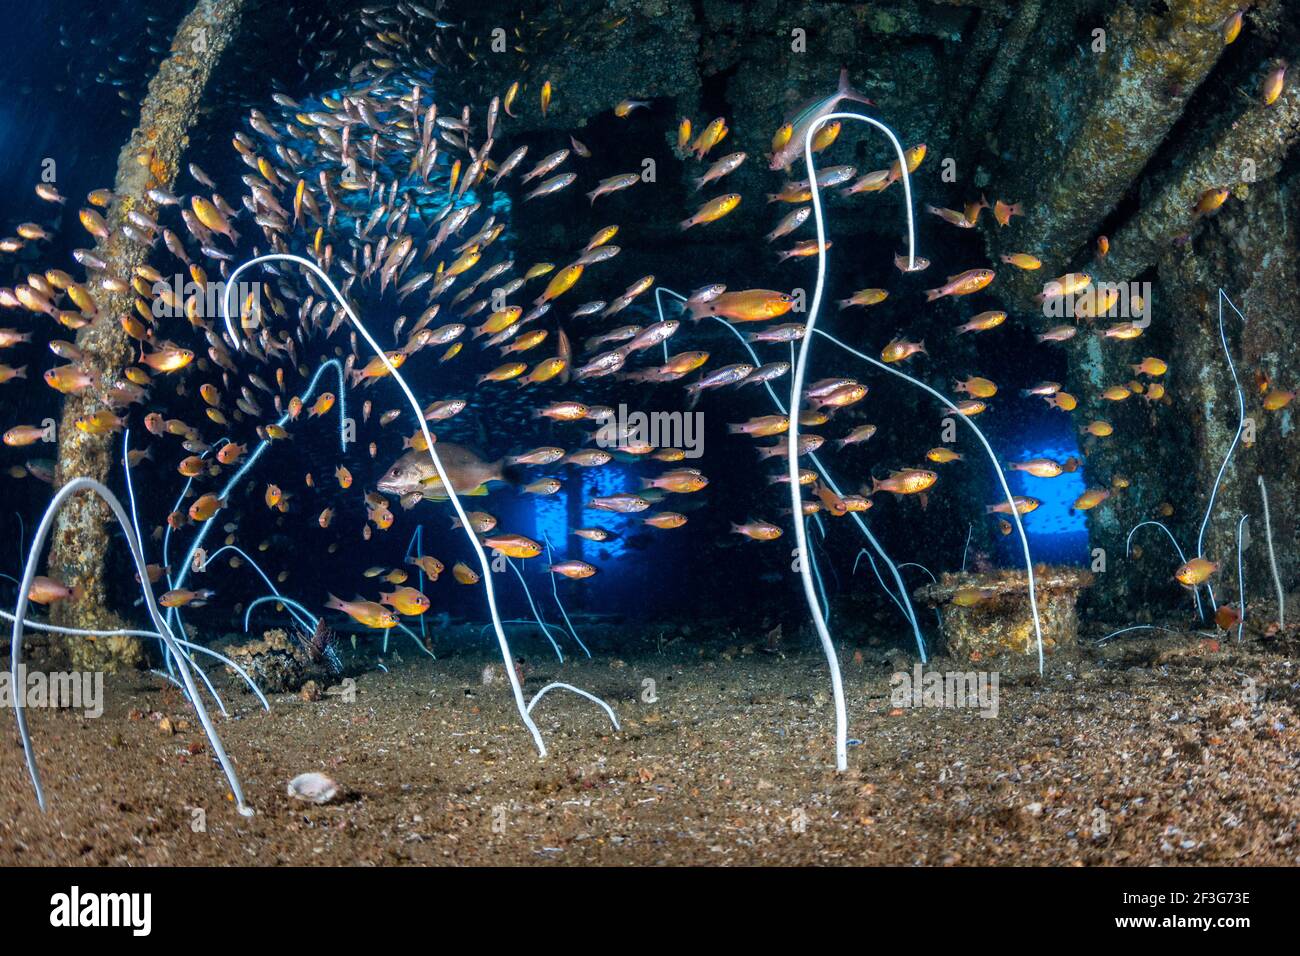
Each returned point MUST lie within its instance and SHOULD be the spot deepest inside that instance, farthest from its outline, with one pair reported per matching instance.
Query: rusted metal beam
(151, 157)
(1151, 64)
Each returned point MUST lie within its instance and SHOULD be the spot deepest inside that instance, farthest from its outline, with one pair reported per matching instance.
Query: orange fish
(574, 570)
(1273, 84)
(1195, 572)
(364, 612)
(1003, 212)
(751, 305)
(909, 481)
(47, 590)
(965, 283)
(757, 530)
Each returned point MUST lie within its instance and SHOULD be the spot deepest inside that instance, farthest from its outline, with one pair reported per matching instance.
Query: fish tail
(685, 224)
(846, 91)
(932, 294)
(511, 474)
(334, 603)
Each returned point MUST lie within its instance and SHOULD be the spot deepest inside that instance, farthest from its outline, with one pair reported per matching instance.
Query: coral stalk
(555, 590)
(796, 388)
(1182, 557)
(20, 613)
(1236, 438)
(537, 616)
(1241, 581)
(1002, 479)
(557, 685)
(454, 498)
(1272, 558)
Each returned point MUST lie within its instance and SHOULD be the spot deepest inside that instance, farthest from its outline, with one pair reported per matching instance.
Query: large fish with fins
(469, 473)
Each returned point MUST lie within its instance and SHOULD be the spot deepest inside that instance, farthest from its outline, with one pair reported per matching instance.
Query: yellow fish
(364, 612)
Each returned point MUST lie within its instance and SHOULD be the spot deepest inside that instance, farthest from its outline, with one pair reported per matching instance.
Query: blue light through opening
(551, 522)
(1057, 533)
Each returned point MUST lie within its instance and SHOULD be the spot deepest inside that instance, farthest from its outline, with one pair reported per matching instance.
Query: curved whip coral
(1002, 478)
(507, 659)
(558, 685)
(1241, 426)
(1272, 558)
(1182, 557)
(796, 387)
(20, 613)
(243, 470)
(154, 635)
(1241, 579)
(902, 599)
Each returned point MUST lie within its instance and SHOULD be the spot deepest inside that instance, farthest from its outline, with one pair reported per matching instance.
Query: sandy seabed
(1149, 752)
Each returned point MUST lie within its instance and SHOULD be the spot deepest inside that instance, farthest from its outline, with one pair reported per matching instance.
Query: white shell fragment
(313, 787)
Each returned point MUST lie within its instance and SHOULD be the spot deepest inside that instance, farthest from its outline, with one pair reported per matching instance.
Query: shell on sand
(314, 788)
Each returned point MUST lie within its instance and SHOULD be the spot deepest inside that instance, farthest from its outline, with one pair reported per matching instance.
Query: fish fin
(846, 91)
(512, 475)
